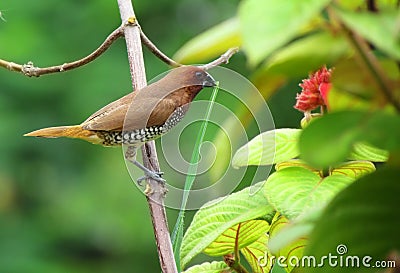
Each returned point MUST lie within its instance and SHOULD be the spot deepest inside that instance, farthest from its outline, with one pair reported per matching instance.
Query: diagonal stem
(177, 232)
(158, 53)
(369, 60)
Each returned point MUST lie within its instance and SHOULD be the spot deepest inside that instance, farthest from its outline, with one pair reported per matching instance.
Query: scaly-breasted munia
(140, 116)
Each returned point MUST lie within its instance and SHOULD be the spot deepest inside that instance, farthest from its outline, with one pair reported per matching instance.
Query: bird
(140, 116)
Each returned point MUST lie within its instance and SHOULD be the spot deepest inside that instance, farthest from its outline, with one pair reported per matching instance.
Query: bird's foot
(130, 155)
(157, 176)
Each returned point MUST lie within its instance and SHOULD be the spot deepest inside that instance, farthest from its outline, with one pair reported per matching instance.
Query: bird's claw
(157, 176)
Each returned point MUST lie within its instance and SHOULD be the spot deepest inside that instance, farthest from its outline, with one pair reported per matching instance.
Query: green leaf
(268, 148)
(340, 100)
(292, 250)
(214, 267)
(354, 169)
(268, 25)
(268, 83)
(364, 218)
(351, 5)
(210, 43)
(217, 216)
(178, 229)
(297, 60)
(294, 190)
(278, 269)
(295, 163)
(382, 130)
(237, 236)
(352, 78)
(177, 237)
(378, 28)
(225, 141)
(364, 151)
(284, 233)
(329, 140)
(306, 54)
(256, 253)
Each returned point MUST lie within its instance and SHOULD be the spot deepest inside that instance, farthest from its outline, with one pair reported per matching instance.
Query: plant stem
(374, 68)
(155, 197)
(234, 264)
(370, 61)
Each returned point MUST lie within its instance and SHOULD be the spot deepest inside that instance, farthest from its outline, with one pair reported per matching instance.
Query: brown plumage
(140, 116)
(149, 107)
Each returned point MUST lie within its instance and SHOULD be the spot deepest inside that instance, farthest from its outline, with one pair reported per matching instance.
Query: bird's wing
(136, 110)
(162, 112)
(151, 111)
(111, 116)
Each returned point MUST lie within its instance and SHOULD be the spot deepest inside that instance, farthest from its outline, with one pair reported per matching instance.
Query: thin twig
(30, 70)
(158, 53)
(223, 59)
(155, 196)
(373, 65)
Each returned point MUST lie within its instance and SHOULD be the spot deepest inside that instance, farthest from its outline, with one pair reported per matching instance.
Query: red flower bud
(315, 90)
(324, 90)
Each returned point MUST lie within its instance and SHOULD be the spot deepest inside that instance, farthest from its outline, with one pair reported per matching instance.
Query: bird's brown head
(156, 103)
(182, 84)
(190, 76)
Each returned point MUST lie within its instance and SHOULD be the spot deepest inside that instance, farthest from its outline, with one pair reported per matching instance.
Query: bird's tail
(75, 131)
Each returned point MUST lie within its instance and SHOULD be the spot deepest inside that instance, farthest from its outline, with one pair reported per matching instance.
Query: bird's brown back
(149, 106)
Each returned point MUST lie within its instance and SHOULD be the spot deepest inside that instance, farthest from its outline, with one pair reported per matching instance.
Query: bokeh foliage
(65, 205)
(68, 206)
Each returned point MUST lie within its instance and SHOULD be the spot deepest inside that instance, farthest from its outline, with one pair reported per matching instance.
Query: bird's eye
(199, 74)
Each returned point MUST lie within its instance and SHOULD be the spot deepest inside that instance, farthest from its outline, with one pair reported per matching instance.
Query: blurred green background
(66, 205)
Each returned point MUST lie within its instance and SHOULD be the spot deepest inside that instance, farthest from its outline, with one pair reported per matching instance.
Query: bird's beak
(209, 81)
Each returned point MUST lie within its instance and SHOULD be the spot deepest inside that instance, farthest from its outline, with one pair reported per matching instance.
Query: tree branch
(30, 70)
(155, 196)
(223, 59)
(158, 53)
